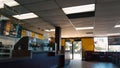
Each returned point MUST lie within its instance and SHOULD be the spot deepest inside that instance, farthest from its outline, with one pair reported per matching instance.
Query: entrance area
(75, 49)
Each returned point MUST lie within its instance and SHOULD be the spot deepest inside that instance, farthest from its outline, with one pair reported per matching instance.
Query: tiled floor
(85, 64)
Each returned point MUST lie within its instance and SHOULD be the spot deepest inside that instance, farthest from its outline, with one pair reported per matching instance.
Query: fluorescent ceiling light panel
(3, 18)
(1, 5)
(79, 9)
(51, 30)
(10, 3)
(113, 34)
(116, 26)
(47, 30)
(84, 28)
(25, 16)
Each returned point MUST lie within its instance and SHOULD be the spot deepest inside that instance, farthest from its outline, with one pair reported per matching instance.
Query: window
(114, 43)
(114, 48)
(101, 44)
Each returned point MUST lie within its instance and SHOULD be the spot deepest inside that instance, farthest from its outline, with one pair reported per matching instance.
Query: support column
(58, 38)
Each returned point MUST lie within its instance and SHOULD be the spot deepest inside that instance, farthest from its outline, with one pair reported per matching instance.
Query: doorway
(75, 49)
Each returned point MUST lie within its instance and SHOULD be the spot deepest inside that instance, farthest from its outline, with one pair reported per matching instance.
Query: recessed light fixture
(25, 16)
(84, 28)
(51, 30)
(116, 26)
(9, 3)
(47, 30)
(3, 18)
(113, 34)
(1, 5)
(79, 9)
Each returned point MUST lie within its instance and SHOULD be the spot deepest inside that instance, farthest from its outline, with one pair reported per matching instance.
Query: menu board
(40, 36)
(9, 29)
(33, 34)
(23, 32)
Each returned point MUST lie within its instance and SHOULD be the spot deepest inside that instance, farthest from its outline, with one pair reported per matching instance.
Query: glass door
(77, 50)
(68, 48)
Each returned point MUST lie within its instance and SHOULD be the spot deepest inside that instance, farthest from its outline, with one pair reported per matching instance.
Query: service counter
(38, 60)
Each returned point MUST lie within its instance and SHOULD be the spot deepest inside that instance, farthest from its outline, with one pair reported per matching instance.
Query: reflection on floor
(86, 64)
(76, 56)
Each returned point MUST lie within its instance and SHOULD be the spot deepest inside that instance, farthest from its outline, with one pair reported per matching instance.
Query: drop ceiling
(51, 14)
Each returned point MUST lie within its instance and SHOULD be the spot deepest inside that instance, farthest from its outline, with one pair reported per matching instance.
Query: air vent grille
(89, 32)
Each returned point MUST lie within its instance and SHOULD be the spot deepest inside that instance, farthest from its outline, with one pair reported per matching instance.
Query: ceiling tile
(34, 20)
(103, 1)
(51, 12)
(69, 32)
(88, 19)
(69, 3)
(55, 18)
(28, 1)
(44, 5)
(39, 23)
(20, 9)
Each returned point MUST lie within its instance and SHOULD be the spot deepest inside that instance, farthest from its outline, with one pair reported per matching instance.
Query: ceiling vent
(89, 32)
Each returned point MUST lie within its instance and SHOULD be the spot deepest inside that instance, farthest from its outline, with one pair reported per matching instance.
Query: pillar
(58, 38)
